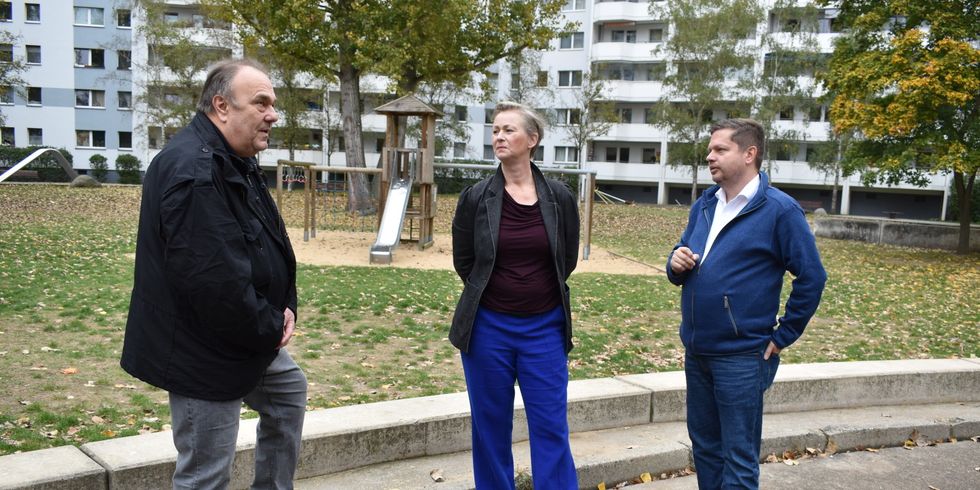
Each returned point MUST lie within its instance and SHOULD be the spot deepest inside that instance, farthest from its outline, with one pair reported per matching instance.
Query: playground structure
(406, 183)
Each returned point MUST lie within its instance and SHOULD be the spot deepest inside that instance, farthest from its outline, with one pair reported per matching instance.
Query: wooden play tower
(405, 170)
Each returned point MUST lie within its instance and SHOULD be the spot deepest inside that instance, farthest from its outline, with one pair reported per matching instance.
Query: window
(125, 59)
(538, 154)
(623, 36)
(125, 100)
(379, 145)
(816, 113)
(575, 40)
(171, 17)
(542, 78)
(624, 114)
(33, 55)
(7, 137)
(621, 72)
(89, 58)
(89, 16)
(657, 71)
(487, 115)
(6, 12)
(32, 12)
(570, 78)
(786, 113)
(460, 112)
(340, 144)
(649, 115)
(651, 155)
(488, 152)
(7, 96)
(620, 155)
(459, 149)
(569, 116)
(33, 95)
(573, 5)
(125, 140)
(124, 19)
(657, 35)
(6, 53)
(90, 98)
(566, 154)
(35, 136)
(85, 138)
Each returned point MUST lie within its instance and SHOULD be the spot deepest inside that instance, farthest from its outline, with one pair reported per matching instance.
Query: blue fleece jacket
(730, 301)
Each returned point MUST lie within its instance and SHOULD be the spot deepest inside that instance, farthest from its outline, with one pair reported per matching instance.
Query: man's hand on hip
(288, 327)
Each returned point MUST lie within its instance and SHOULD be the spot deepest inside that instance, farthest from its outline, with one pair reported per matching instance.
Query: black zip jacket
(476, 227)
(214, 271)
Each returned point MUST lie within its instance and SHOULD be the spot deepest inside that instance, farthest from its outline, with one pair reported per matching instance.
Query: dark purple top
(523, 280)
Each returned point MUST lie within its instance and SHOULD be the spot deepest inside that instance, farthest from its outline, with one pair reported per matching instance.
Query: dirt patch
(336, 248)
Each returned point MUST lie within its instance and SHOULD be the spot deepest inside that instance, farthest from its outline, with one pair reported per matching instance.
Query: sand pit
(337, 248)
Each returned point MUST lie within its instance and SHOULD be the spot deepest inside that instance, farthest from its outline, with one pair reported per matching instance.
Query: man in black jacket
(214, 294)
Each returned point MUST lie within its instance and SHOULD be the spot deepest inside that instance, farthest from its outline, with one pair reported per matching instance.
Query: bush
(128, 167)
(99, 167)
(47, 167)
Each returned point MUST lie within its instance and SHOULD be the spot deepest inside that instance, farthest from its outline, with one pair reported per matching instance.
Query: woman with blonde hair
(515, 242)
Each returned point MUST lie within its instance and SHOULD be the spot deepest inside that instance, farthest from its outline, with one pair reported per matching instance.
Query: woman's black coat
(476, 227)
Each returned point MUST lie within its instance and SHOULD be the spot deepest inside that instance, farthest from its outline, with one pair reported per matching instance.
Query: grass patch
(369, 333)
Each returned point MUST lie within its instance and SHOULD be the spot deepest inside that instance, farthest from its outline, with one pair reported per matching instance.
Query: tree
(409, 41)
(528, 82)
(906, 77)
(170, 75)
(596, 116)
(792, 57)
(712, 69)
(99, 166)
(11, 69)
(128, 167)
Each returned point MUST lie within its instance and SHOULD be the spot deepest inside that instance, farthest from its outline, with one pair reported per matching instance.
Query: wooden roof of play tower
(408, 105)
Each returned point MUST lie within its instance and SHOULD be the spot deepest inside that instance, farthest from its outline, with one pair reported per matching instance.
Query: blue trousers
(531, 350)
(205, 431)
(724, 416)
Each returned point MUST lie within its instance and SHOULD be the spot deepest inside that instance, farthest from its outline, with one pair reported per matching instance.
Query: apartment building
(83, 88)
(78, 92)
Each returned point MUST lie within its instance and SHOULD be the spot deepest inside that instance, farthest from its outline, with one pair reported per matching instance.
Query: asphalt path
(947, 466)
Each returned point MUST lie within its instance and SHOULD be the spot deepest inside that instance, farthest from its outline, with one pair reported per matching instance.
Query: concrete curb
(345, 438)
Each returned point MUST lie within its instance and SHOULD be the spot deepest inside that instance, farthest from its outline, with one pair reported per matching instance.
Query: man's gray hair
(533, 122)
(219, 79)
(745, 133)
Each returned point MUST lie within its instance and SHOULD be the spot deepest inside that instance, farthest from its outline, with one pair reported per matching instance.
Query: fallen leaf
(601, 486)
(97, 420)
(871, 450)
(49, 349)
(772, 458)
(645, 477)
(436, 475)
(69, 370)
(790, 462)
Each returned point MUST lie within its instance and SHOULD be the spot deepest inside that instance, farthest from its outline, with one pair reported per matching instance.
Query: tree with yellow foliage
(906, 77)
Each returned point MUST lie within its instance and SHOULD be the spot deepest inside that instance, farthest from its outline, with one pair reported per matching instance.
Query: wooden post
(313, 182)
(588, 217)
(279, 185)
(306, 206)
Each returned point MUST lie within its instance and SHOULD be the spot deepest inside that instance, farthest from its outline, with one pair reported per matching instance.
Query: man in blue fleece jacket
(742, 236)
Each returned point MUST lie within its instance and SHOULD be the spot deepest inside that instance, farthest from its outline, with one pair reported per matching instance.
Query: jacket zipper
(731, 316)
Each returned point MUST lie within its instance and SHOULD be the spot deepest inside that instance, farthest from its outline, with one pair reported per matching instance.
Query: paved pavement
(949, 466)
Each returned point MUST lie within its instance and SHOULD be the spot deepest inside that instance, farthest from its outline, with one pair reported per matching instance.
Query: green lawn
(375, 333)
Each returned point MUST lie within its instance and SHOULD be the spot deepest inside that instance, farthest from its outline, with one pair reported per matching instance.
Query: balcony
(610, 51)
(633, 91)
(621, 11)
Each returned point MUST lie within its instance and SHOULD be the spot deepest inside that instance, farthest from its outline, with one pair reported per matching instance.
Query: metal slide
(389, 233)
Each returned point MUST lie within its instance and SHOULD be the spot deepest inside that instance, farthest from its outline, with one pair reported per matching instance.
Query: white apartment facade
(616, 39)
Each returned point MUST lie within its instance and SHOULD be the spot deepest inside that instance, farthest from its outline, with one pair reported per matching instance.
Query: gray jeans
(205, 431)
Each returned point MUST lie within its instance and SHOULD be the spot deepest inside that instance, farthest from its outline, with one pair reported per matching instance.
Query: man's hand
(288, 327)
(683, 260)
(772, 349)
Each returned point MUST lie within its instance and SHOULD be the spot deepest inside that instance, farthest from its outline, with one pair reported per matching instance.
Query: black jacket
(214, 271)
(475, 232)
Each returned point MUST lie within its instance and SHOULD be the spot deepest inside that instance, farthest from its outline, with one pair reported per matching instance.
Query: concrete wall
(906, 233)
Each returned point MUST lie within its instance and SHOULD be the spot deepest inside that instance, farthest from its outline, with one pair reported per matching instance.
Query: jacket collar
(213, 141)
(710, 196)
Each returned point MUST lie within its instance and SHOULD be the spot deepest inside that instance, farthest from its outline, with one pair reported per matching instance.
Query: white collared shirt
(726, 211)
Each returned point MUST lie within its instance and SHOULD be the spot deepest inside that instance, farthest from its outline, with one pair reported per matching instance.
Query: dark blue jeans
(724, 416)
